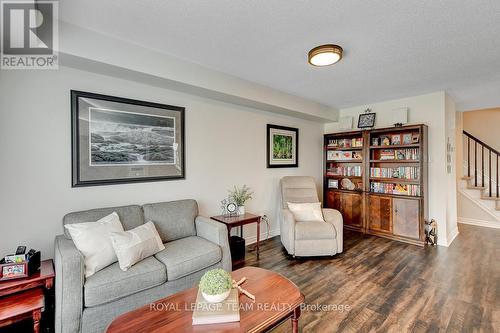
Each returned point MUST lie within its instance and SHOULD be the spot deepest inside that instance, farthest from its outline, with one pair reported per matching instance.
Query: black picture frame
(285, 131)
(76, 151)
(366, 120)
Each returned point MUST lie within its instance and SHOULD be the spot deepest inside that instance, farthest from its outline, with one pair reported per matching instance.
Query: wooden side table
(23, 305)
(240, 221)
(28, 297)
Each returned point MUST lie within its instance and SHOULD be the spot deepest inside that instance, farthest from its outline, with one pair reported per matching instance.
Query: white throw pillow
(92, 240)
(305, 212)
(134, 245)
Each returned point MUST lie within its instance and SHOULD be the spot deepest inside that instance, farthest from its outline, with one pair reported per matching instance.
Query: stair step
(467, 177)
(490, 198)
(476, 187)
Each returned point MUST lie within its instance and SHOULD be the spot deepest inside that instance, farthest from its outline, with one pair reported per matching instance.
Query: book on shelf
(345, 143)
(333, 155)
(403, 172)
(346, 171)
(213, 313)
(399, 154)
(399, 189)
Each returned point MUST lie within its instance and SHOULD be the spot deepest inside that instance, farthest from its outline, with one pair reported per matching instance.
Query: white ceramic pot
(241, 210)
(216, 298)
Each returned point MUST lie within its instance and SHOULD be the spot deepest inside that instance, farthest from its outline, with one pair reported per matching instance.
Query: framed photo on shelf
(385, 140)
(375, 141)
(282, 147)
(396, 139)
(333, 183)
(119, 140)
(407, 138)
(366, 120)
(415, 137)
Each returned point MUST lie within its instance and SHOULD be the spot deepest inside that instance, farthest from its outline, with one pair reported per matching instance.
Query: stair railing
(492, 152)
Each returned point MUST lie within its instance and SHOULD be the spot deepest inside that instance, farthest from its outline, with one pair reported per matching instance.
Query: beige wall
(225, 145)
(436, 110)
(485, 125)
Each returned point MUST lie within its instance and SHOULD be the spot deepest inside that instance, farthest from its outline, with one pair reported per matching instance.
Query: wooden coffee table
(276, 300)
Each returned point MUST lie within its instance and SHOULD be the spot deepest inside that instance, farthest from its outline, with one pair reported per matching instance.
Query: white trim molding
(449, 238)
(480, 223)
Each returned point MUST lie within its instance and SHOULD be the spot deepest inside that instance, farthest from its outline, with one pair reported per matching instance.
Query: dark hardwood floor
(387, 286)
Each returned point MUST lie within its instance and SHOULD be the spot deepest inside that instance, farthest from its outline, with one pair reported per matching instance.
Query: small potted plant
(215, 285)
(240, 196)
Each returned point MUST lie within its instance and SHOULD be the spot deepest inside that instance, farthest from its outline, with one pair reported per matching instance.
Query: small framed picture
(396, 139)
(282, 146)
(366, 120)
(13, 271)
(333, 183)
(375, 142)
(415, 138)
(407, 138)
(385, 140)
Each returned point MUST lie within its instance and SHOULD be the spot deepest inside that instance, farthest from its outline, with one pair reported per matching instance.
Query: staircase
(481, 169)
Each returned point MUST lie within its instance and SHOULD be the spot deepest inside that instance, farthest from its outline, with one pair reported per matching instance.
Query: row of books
(400, 189)
(402, 172)
(334, 155)
(345, 171)
(399, 154)
(345, 143)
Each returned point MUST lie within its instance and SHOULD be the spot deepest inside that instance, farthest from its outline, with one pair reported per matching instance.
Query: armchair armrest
(215, 232)
(69, 266)
(287, 231)
(334, 217)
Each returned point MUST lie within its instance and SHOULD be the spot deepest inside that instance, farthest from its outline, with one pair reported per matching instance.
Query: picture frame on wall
(282, 146)
(119, 140)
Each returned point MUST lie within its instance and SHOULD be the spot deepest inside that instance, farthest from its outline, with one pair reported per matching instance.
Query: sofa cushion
(188, 255)
(174, 219)
(314, 230)
(130, 216)
(112, 283)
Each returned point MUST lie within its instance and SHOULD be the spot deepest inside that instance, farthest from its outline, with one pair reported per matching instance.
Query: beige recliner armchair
(311, 238)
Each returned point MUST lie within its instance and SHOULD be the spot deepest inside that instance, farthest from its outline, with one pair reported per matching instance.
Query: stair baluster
(492, 153)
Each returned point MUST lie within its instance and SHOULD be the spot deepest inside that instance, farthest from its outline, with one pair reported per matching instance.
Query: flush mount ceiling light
(325, 55)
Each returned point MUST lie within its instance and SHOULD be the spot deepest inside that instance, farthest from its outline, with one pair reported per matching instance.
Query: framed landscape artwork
(282, 146)
(117, 140)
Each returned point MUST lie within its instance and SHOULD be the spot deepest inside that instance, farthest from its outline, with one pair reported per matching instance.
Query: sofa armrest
(334, 217)
(69, 266)
(287, 231)
(215, 232)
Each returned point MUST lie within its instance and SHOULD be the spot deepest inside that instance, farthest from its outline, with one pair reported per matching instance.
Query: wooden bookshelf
(390, 198)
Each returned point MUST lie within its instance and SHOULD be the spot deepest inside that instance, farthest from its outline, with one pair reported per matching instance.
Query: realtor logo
(29, 35)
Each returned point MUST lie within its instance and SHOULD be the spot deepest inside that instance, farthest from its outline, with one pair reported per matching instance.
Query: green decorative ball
(215, 282)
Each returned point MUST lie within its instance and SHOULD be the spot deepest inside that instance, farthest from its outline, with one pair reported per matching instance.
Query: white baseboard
(253, 239)
(480, 223)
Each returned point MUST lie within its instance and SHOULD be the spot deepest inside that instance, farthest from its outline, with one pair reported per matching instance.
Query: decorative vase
(216, 298)
(241, 210)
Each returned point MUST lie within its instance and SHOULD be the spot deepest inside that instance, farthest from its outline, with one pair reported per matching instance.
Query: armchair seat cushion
(111, 283)
(185, 256)
(311, 230)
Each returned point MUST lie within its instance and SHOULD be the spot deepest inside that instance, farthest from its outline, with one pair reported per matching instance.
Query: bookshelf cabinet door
(406, 218)
(380, 213)
(334, 200)
(352, 207)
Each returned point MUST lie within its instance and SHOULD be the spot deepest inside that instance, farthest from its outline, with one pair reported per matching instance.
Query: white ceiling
(393, 48)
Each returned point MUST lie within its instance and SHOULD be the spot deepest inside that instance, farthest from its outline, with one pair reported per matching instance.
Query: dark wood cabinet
(350, 205)
(380, 213)
(406, 216)
(377, 179)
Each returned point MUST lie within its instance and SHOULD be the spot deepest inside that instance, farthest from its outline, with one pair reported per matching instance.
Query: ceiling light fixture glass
(325, 55)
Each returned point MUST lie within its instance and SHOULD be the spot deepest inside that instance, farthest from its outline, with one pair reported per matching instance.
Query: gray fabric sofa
(193, 245)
